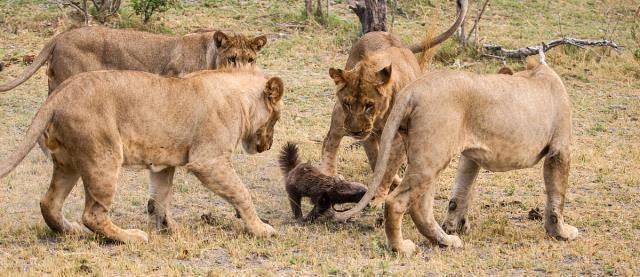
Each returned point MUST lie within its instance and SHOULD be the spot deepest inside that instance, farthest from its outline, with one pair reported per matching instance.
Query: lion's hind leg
(63, 180)
(457, 220)
(100, 181)
(160, 194)
(556, 178)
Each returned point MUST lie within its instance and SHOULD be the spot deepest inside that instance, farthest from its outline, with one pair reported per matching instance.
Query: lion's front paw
(162, 223)
(264, 230)
(74, 228)
(405, 248)
(567, 232)
(451, 241)
(377, 203)
(453, 226)
(136, 236)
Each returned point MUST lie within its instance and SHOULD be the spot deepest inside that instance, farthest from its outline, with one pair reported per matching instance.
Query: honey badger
(305, 180)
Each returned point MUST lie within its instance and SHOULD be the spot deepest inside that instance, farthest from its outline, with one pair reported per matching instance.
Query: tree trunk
(308, 7)
(372, 15)
(319, 9)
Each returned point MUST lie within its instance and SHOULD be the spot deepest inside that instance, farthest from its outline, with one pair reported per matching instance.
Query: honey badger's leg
(64, 178)
(396, 159)
(556, 175)
(160, 194)
(295, 201)
(331, 143)
(457, 220)
(321, 205)
(219, 176)
(100, 177)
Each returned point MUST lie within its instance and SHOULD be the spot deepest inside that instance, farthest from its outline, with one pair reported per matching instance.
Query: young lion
(98, 48)
(379, 65)
(498, 122)
(97, 122)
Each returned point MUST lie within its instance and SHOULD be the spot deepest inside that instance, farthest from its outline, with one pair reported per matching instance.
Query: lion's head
(261, 140)
(236, 50)
(364, 93)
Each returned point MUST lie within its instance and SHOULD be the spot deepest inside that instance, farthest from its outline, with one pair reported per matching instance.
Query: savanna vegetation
(603, 199)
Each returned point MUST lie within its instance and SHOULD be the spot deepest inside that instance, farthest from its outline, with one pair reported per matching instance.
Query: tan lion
(498, 122)
(98, 48)
(365, 91)
(97, 122)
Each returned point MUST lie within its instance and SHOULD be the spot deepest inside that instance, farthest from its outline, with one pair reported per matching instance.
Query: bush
(146, 8)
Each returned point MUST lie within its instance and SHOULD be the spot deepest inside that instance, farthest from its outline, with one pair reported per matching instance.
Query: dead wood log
(519, 53)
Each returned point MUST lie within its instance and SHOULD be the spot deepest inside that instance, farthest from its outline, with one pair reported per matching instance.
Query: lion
(99, 48)
(97, 122)
(498, 122)
(366, 90)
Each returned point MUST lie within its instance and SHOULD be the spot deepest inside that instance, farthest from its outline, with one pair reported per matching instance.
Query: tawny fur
(498, 122)
(378, 66)
(305, 180)
(99, 48)
(97, 122)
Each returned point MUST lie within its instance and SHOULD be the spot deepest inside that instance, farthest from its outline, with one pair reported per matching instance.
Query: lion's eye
(232, 60)
(369, 107)
(251, 60)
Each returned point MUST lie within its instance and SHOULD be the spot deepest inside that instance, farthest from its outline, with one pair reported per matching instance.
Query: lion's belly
(154, 158)
(505, 157)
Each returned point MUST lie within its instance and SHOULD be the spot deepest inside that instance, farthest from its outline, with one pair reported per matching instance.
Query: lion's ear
(337, 75)
(258, 42)
(505, 70)
(221, 39)
(274, 90)
(384, 75)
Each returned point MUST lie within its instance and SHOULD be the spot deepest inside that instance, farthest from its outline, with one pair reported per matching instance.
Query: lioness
(379, 66)
(498, 122)
(97, 122)
(98, 48)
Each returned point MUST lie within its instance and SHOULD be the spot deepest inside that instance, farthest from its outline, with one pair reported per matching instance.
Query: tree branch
(475, 23)
(533, 50)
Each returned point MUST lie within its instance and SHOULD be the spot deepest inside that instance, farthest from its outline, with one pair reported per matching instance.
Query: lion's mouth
(359, 135)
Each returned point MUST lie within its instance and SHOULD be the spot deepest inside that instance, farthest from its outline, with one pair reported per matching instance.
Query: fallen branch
(533, 50)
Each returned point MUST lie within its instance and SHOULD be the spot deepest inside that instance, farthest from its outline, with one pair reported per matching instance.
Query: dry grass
(603, 201)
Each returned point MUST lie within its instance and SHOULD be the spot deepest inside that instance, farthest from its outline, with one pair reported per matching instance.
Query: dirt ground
(603, 199)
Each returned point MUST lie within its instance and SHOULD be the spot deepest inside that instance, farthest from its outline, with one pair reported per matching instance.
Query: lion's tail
(399, 112)
(38, 126)
(289, 158)
(42, 58)
(463, 6)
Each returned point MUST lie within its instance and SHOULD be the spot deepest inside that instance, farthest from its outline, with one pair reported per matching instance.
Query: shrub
(147, 8)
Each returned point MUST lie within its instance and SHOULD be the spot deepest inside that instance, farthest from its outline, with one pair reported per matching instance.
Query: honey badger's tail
(289, 158)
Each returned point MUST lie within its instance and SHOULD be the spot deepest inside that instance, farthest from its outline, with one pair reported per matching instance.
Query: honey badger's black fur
(305, 180)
